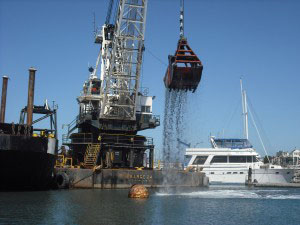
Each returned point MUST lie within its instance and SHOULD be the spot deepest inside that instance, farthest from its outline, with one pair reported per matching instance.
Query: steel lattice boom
(122, 60)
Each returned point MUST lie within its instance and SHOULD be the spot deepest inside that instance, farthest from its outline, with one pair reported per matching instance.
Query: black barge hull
(25, 170)
(125, 178)
(26, 161)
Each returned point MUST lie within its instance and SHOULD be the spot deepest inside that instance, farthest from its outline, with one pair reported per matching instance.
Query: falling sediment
(173, 130)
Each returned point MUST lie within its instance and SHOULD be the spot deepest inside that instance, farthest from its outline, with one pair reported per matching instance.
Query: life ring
(62, 180)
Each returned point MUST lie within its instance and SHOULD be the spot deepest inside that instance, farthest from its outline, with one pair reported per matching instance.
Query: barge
(27, 154)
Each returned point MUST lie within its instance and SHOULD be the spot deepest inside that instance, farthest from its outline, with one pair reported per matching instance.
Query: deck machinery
(185, 69)
(112, 106)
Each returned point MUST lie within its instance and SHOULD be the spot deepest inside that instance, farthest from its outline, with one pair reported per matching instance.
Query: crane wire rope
(142, 73)
(156, 57)
(116, 11)
(181, 19)
(108, 15)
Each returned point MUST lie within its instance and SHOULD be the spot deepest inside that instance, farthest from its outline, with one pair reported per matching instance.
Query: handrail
(82, 139)
(87, 138)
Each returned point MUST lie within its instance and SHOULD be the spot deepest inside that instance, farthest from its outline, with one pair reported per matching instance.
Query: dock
(278, 185)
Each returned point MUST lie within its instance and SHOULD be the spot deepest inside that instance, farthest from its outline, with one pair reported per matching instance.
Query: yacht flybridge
(229, 160)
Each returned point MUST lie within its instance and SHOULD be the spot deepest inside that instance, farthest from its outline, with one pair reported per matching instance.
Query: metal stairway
(91, 155)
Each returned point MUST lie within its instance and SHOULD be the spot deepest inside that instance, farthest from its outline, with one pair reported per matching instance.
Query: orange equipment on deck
(184, 70)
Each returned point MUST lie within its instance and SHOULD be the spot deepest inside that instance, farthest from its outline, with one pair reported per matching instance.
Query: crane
(112, 108)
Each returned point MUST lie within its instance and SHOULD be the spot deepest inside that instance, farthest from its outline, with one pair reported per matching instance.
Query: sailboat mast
(246, 115)
(245, 110)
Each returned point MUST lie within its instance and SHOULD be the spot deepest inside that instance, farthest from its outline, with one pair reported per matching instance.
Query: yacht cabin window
(242, 159)
(249, 159)
(255, 159)
(237, 159)
(187, 159)
(219, 159)
(232, 143)
(200, 160)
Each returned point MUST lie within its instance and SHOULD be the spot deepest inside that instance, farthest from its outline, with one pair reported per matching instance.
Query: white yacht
(235, 160)
(229, 160)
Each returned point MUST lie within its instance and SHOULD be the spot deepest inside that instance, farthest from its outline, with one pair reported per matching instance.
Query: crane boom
(123, 63)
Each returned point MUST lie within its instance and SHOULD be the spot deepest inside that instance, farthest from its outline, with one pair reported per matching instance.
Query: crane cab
(184, 70)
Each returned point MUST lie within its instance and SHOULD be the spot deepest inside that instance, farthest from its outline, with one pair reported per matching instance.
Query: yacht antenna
(245, 110)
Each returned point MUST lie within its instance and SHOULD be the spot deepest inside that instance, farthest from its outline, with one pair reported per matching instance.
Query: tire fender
(62, 180)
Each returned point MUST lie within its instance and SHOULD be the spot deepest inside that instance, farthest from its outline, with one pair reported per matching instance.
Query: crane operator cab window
(146, 109)
(95, 89)
(109, 32)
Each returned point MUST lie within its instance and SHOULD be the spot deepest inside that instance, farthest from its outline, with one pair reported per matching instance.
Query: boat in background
(27, 154)
(235, 160)
(230, 160)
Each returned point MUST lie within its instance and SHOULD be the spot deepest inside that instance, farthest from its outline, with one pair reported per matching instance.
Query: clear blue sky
(258, 40)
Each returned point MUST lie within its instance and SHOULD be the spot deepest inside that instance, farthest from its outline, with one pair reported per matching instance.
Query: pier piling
(3, 99)
(30, 101)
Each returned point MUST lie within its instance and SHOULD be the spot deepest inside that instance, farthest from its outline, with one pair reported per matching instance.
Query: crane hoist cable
(112, 9)
(117, 2)
(181, 19)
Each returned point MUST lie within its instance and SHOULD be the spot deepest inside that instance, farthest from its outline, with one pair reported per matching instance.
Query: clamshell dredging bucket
(184, 70)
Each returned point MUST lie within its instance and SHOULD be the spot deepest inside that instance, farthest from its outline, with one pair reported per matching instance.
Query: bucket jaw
(184, 70)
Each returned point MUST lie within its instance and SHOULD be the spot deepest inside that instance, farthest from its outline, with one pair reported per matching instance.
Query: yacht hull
(268, 175)
(240, 176)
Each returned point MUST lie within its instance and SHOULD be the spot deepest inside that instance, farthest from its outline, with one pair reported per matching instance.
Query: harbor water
(212, 205)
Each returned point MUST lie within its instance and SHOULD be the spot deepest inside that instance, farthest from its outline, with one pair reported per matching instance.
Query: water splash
(234, 194)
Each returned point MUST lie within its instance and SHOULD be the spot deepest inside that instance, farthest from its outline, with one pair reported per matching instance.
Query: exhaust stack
(3, 99)
(30, 101)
